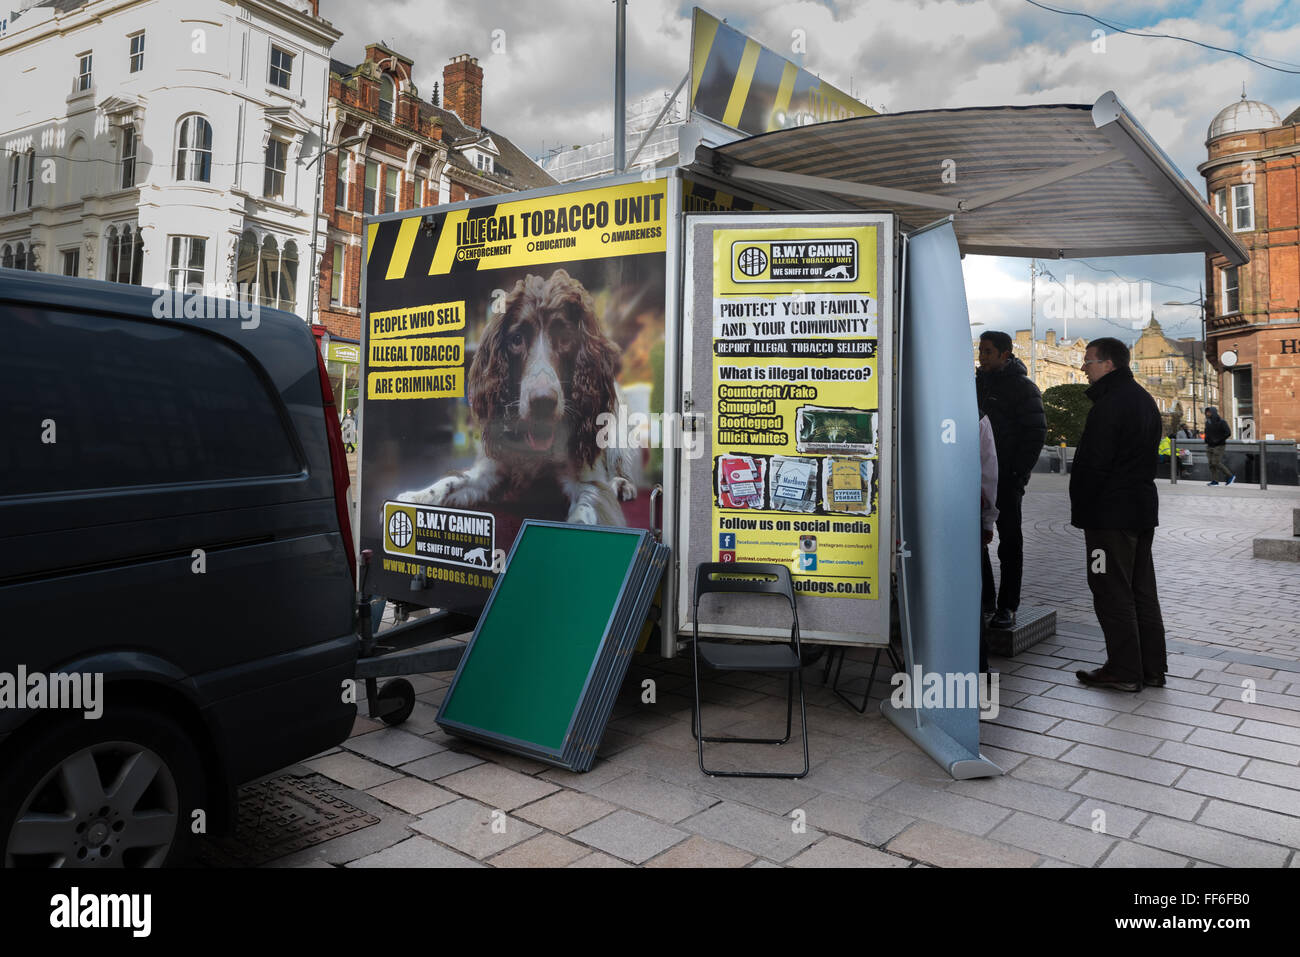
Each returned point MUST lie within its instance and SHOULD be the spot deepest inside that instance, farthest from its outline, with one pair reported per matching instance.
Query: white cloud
(553, 85)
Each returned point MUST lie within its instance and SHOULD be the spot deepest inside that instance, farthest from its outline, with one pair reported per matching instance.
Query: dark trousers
(988, 591)
(1122, 577)
(1011, 551)
(987, 605)
(1214, 455)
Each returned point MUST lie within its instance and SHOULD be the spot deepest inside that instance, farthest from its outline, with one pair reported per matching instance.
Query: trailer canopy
(1045, 181)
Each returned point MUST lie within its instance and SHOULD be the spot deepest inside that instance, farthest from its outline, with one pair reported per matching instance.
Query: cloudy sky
(548, 80)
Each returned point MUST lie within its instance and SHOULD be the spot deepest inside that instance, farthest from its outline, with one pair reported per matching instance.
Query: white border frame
(886, 246)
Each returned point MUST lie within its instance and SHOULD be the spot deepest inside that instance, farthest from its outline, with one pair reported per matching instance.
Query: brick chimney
(462, 89)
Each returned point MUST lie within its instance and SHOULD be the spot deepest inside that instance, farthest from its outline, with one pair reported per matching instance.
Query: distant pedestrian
(1217, 434)
(1015, 410)
(349, 427)
(1113, 499)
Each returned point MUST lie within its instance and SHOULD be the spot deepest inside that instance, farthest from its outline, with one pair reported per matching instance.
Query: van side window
(131, 403)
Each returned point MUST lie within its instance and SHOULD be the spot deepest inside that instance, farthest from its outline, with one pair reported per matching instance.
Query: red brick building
(410, 153)
(1252, 181)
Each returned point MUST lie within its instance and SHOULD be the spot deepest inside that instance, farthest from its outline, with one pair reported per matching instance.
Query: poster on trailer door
(512, 369)
(796, 425)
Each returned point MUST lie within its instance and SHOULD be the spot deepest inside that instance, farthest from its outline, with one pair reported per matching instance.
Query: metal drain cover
(280, 816)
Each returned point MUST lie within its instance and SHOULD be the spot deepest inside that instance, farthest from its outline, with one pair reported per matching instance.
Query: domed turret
(1242, 116)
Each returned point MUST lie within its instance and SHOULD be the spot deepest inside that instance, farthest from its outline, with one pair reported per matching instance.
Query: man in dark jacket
(1113, 499)
(1015, 410)
(1217, 434)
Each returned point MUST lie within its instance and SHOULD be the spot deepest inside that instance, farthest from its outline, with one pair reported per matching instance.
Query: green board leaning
(524, 674)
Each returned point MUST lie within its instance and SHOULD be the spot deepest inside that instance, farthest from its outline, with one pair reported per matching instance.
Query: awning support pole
(825, 184)
(1046, 178)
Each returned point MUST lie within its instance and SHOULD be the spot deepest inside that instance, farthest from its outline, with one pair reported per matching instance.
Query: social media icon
(807, 561)
(726, 556)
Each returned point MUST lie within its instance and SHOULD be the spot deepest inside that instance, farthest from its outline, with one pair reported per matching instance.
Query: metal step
(1032, 626)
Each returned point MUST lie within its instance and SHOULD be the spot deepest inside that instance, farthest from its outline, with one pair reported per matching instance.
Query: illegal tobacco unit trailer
(758, 352)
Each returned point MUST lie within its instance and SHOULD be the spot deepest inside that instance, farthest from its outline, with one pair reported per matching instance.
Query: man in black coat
(1113, 499)
(1217, 434)
(1015, 410)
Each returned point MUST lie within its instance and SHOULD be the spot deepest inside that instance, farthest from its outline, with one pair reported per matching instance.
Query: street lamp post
(315, 219)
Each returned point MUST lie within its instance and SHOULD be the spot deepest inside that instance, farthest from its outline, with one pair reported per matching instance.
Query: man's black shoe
(1101, 678)
(1004, 618)
(1157, 681)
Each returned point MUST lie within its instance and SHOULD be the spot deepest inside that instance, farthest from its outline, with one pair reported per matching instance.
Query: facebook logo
(727, 540)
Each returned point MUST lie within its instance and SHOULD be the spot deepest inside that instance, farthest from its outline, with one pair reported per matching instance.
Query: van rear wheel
(395, 701)
(107, 793)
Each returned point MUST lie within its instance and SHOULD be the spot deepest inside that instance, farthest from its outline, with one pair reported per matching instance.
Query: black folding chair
(761, 579)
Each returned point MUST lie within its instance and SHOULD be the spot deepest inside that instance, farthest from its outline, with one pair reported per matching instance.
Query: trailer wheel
(396, 701)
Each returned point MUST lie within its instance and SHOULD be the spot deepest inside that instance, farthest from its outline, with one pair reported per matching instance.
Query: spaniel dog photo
(543, 373)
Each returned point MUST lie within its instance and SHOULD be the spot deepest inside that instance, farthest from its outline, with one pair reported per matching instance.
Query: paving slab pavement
(1204, 772)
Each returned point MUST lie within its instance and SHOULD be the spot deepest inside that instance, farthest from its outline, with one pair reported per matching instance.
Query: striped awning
(1044, 181)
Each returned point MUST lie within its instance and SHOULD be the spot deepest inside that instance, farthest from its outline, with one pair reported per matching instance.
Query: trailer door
(789, 323)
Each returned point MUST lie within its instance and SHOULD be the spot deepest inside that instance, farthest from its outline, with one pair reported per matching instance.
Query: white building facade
(165, 142)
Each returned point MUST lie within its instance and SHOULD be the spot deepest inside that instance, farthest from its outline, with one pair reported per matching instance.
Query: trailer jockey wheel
(396, 701)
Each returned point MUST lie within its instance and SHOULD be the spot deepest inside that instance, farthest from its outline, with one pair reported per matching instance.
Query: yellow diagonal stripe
(402, 251)
(706, 29)
(371, 232)
(446, 251)
(784, 92)
(740, 89)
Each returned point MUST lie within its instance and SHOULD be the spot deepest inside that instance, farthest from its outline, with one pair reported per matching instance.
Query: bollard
(1173, 460)
(1263, 466)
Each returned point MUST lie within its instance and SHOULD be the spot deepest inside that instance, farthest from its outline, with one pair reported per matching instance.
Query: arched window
(6, 257)
(111, 254)
(31, 176)
(246, 267)
(15, 173)
(266, 272)
(386, 97)
(20, 257)
(125, 260)
(194, 150)
(289, 277)
(269, 272)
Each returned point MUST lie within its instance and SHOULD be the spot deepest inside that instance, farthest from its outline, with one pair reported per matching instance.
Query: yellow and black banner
(624, 220)
(498, 339)
(741, 83)
(699, 198)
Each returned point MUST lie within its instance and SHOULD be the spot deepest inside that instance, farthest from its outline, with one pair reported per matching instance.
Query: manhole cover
(280, 816)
